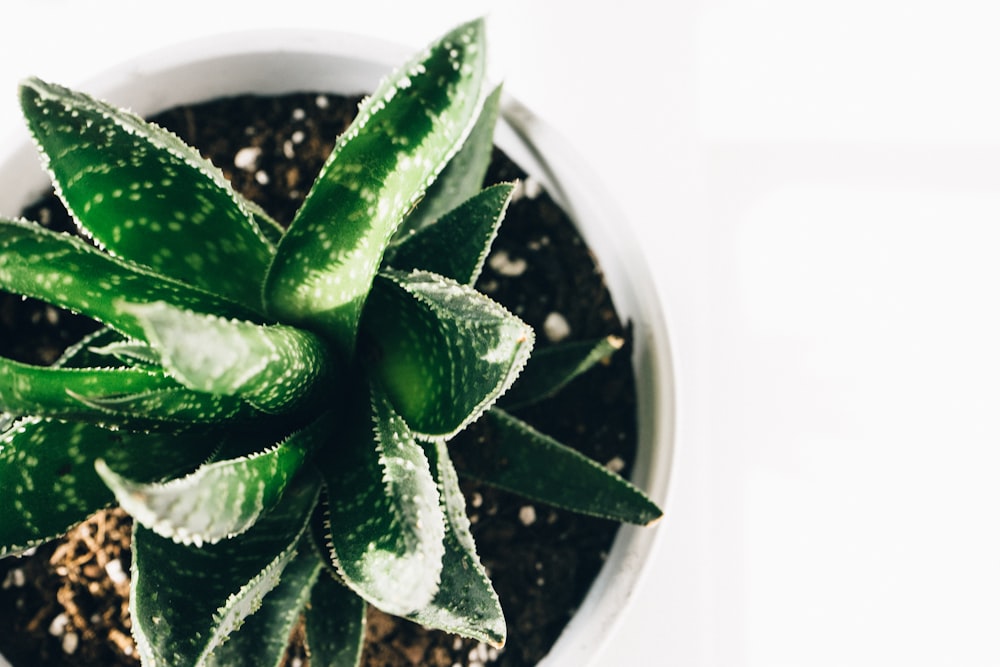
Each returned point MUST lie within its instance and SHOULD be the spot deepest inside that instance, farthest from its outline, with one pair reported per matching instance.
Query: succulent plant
(274, 407)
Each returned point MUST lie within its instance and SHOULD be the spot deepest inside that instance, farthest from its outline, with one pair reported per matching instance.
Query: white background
(818, 184)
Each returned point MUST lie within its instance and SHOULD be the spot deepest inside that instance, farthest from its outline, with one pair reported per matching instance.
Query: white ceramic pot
(275, 62)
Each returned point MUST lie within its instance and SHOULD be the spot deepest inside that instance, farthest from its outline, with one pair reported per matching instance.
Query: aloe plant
(274, 406)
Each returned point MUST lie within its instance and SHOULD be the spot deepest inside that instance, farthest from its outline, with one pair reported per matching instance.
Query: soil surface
(67, 602)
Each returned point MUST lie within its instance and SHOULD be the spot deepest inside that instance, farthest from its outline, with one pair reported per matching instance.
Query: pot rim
(291, 60)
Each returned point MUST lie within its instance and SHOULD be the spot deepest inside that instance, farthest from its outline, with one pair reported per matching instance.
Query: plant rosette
(315, 310)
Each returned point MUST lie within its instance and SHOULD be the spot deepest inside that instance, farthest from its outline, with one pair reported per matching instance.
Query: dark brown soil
(61, 607)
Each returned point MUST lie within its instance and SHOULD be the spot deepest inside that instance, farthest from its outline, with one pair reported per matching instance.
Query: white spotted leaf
(48, 478)
(335, 624)
(386, 523)
(403, 136)
(457, 244)
(465, 603)
(127, 397)
(463, 176)
(144, 195)
(272, 367)
(66, 272)
(443, 351)
(187, 600)
(262, 640)
(220, 499)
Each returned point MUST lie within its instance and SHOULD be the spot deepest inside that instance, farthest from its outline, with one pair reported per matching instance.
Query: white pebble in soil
(58, 625)
(116, 572)
(70, 642)
(532, 188)
(15, 578)
(501, 262)
(246, 158)
(527, 515)
(556, 327)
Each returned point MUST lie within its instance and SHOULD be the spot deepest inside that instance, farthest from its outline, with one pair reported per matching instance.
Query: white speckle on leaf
(617, 464)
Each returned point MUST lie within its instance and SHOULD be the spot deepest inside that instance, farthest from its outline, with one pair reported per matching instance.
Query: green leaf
(220, 499)
(464, 175)
(466, 603)
(272, 367)
(401, 139)
(456, 245)
(386, 524)
(263, 638)
(335, 624)
(48, 479)
(129, 353)
(443, 351)
(269, 227)
(145, 195)
(535, 466)
(84, 354)
(186, 600)
(552, 368)
(66, 272)
(131, 397)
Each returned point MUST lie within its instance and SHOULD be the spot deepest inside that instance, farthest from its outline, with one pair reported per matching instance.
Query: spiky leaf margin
(186, 600)
(386, 524)
(145, 195)
(403, 136)
(443, 351)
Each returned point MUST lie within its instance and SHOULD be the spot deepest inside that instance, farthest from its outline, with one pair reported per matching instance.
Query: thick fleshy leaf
(552, 368)
(272, 367)
(466, 603)
(85, 353)
(48, 480)
(129, 353)
(464, 175)
(66, 272)
(269, 227)
(263, 638)
(186, 600)
(131, 397)
(386, 524)
(401, 139)
(335, 624)
(443, 351)
(220, 499)
(533, 465)
(456, 245)
(145, 195)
